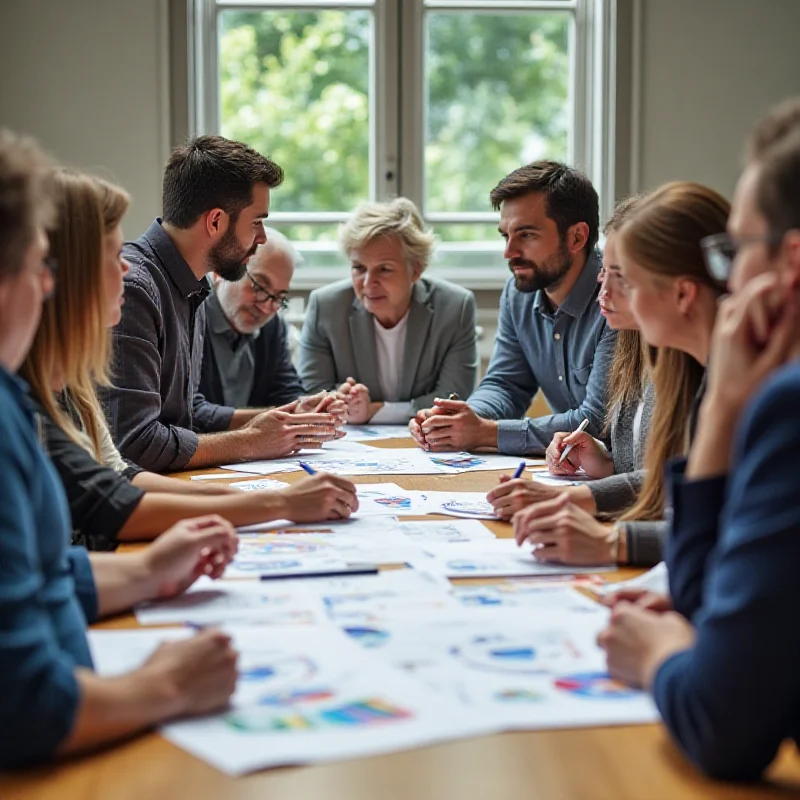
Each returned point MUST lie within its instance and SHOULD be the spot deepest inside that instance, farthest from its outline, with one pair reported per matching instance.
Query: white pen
(565, 452)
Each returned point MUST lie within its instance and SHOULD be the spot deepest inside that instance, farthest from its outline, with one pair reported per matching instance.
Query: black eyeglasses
(264, 296)
(721, 249)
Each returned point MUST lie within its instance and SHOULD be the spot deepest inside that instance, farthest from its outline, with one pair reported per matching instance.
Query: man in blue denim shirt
(550, 333)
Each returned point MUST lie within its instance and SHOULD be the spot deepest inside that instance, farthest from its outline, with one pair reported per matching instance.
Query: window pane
(295, 86)
(497, 98)
(317, 244)
(474, 246)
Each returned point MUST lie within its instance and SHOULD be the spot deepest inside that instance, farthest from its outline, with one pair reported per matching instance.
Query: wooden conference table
(614, 763)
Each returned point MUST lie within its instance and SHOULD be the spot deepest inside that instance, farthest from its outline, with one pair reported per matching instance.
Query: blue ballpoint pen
(307, 467)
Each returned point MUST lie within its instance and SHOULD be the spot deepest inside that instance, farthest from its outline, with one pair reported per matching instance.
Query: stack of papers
(345, 667)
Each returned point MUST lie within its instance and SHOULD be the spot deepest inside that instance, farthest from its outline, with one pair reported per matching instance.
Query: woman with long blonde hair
(615, 477)
(673, 300)
(109, 499)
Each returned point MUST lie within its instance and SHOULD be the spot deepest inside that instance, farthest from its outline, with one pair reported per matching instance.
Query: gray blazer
(441, 355)
(618, 492)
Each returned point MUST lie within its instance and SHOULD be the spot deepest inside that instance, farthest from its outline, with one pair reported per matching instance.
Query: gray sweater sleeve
(645, 542)
(615, 493)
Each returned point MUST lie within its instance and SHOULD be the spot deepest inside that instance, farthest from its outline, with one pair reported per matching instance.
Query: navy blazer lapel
(362, 336)
(420, 317)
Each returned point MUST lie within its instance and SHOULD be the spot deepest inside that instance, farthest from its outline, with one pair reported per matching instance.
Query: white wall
(89, 79)
(709, 69)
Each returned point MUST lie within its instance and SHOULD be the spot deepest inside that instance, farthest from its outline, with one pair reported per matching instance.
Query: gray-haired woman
(390, 339)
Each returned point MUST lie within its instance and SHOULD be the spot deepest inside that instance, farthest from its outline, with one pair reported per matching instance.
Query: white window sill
(490, 278)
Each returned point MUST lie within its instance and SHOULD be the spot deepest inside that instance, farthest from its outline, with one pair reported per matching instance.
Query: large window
(433, 99)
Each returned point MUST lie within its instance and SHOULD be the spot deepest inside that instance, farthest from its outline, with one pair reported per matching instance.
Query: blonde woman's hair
(400, 219)
(73, 340)
(629, 371)
(662, 236)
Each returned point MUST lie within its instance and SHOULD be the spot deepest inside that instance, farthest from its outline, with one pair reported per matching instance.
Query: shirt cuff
(392, 413)
(512, 436)
(188, 442)
(211, 418)
(695, 504)
(85, 588)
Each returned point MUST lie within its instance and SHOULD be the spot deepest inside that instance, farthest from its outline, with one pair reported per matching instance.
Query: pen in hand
(566, 451)
(307, 468)
(519, 470)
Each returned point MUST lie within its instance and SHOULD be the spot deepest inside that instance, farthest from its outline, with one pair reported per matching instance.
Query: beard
(227, 257)
(546, 275)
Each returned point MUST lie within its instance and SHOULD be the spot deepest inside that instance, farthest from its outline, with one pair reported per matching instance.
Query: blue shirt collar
(14, 382)
(18, 388)
(581, 295)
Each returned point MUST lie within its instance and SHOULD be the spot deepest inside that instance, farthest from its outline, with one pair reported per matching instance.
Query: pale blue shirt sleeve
(523, 436)
(509, 384)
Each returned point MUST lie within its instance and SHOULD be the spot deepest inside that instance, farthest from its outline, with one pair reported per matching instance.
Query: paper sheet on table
(532, 595)
(221, 602)
(366, 433)
(546, 477)
(252, 564)
(353, 541)
(346, 446)
(221, 476)
(388, 498)
(456, 463)
(472, 505)
(395, 594)
(444, 531)
(397, 582)
(259, 485)
(519, 669)
(378, 461)
(261, 468)
(655, 580)
(499, 558)
(310, 695)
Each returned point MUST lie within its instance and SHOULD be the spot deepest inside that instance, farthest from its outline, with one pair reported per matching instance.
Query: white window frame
(397, 112)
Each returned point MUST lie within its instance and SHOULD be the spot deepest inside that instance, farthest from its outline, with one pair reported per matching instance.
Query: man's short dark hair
(26, 198)
(213, 172)
(569, 195)
(778, 187)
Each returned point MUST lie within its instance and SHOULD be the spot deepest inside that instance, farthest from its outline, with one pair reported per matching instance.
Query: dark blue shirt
(733, 558)
(566, 353)
(247, 371)
(47, 592)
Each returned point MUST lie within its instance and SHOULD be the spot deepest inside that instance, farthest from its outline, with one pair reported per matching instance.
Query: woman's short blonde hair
(398, 218)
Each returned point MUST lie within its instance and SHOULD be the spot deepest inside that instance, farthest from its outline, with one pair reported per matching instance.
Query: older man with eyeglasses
(246, 360)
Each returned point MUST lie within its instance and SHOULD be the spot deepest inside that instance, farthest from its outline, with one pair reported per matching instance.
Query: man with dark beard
(215, 199)
(550, 333)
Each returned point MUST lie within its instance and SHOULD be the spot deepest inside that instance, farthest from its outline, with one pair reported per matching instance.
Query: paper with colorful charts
(521, 669)
(306, 696)
(496, 558)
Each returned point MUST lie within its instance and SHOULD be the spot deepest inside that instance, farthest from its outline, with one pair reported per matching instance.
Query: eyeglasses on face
(721, 249)
(263, 295)
(50, 265)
